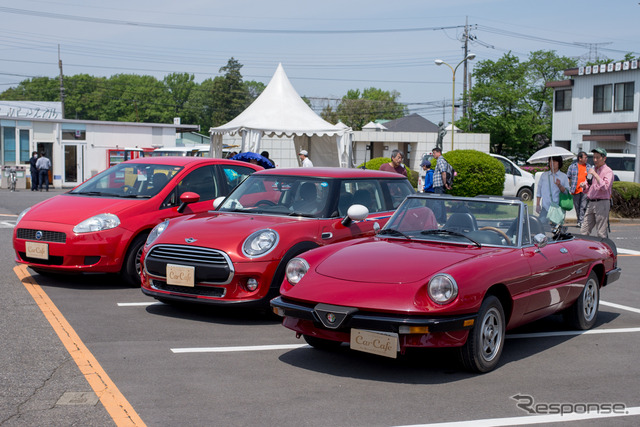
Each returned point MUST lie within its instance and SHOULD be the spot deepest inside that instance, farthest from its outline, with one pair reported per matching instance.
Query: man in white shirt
(304, 158)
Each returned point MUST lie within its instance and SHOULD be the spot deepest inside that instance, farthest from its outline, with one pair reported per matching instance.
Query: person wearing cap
(304, 158)
(395, 165)
(427, 181)
(598, 187)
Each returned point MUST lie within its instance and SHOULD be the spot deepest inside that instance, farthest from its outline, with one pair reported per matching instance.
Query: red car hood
(225, 230)
(391, 261)
(67, 209)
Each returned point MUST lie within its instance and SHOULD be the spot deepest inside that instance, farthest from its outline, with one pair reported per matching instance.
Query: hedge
(625, 198)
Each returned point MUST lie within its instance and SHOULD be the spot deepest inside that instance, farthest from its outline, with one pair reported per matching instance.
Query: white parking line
(628, 252)
(621, 307)
(137, 304)
(532, 419)
(237, 349)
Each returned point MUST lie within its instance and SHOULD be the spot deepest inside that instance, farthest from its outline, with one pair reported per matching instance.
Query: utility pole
(464, 81)
(61, 82)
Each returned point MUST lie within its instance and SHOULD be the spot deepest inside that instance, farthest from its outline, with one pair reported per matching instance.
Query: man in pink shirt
(598, 191)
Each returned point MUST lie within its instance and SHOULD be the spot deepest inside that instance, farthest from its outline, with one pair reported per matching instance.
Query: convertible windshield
(128, 180)
(281, 195)
(480, 221)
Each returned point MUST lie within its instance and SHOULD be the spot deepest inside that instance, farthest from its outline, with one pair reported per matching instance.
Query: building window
(563, 100)
(602, 99)
(24, 146)
(9, 137)
(623, 96)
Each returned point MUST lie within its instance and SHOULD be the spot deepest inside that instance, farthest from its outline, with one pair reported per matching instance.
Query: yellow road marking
(114, 402)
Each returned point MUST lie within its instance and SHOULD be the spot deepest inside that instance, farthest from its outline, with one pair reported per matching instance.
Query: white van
(517, 182)
(623, 165)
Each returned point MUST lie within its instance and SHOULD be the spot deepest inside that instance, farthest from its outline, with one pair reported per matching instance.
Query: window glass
(9, 139)
(563, 100)
(602, 98)
(235, 174)
(200, 181)
(624, 96)
(24, 146)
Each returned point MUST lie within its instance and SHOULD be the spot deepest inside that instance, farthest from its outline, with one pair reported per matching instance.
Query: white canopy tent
(280, 111)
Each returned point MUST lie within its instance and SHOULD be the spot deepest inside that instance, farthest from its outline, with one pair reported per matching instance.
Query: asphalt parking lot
(87, 350)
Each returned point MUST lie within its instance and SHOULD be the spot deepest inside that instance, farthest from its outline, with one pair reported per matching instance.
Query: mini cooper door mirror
(355, 213)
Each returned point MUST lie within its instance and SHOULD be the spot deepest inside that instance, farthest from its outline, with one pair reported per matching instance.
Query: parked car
(101, 225)
(622, 164)
(488, 269)
(237, 254)
(517, 182)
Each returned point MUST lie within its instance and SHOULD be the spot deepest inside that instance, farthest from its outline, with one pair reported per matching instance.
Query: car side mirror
(218, 201)
(355, 213)
(187, 198)
(540, 240)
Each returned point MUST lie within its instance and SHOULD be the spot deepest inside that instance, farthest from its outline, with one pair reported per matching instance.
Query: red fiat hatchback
(238, 253)
(101, 225)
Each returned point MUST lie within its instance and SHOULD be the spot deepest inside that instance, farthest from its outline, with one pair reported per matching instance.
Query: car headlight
(442, 289)
(296, 269)
(157, 231)
(97, 223)
(260, 243)
(21, 215)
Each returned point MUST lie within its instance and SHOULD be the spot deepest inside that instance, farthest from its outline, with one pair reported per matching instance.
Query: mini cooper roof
(329, 172)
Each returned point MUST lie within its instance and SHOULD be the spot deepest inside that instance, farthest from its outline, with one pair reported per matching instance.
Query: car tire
(481, 353)
(131, 267)
(525, 194)
(320, 343)
(582, 315)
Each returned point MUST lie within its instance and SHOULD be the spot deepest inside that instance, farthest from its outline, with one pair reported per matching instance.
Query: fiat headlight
(442, 289)
(260, 243)
(97, 223)
(21, 215)
(157, 231)
(296, 269)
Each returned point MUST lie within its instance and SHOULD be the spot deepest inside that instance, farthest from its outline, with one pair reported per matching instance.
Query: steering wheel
(500, 232)
(127, 190)
(265, 202)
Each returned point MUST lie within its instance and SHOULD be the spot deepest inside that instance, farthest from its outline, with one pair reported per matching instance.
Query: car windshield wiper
(451, 233)
(394, 232)
(302, 214)
(92, 193)
(134, 196)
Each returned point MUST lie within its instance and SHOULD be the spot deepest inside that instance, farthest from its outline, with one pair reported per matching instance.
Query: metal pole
(453, 106)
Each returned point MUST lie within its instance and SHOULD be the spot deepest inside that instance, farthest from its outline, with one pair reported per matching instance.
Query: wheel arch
(292, 252)
(501, 292)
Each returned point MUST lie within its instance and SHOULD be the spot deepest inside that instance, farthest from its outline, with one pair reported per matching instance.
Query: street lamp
(453, 92)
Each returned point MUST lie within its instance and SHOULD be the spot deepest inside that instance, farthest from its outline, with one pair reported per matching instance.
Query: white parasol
(542, 156)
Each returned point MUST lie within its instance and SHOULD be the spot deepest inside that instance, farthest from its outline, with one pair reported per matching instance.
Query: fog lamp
(252, 284)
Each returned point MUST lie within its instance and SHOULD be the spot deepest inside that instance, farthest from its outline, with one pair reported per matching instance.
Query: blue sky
(326, 47)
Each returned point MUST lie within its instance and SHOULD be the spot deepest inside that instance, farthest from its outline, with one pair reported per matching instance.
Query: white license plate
(37, 250)
(380, 343)
(181, 275)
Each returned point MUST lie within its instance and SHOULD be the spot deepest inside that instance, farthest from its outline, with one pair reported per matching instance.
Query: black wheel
(525, 194)
(131, 267)
(265, 202)
(483, 348)
(583, 313)
(320, 343)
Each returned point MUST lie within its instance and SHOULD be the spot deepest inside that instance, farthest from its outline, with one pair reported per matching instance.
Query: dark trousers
(439, 209)
(43, 178)
(34, 179)
(580, 205)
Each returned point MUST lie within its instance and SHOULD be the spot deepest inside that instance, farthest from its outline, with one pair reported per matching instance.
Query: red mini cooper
(238, 253)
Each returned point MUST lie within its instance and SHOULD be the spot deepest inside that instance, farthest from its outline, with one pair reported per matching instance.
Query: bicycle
(13, 179)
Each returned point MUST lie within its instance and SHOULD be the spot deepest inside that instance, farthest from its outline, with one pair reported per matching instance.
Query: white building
(599, 106)
(78, 149)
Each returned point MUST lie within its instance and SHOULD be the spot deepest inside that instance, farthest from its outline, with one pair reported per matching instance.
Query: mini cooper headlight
(296, 269)
(157, 230)
(442, 289)
(100, 222)
(260, 243)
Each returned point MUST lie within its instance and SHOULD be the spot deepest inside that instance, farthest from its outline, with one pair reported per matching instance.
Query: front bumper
(434, 331)
(612, 276)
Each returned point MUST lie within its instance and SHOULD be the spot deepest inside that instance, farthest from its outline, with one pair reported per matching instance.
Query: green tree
(357, 109)
(179, 86)
(230, 95)
(510, 101)
(34, 89)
